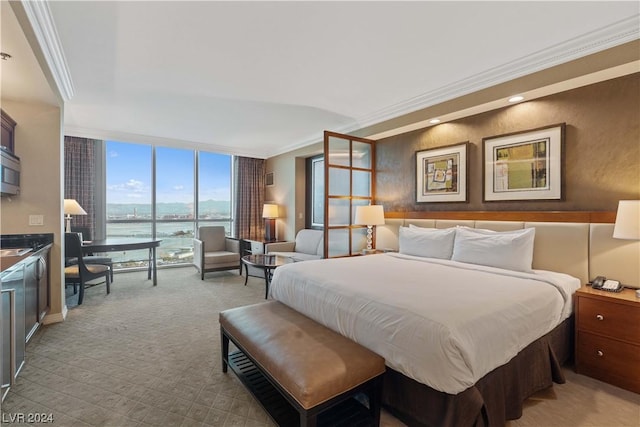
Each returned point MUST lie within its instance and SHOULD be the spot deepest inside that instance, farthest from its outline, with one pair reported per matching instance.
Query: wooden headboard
(576, 243)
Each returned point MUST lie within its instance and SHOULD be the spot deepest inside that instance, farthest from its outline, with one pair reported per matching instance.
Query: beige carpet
(147, 355)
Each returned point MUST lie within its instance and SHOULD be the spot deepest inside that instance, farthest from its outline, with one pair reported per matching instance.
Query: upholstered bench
(300, 371)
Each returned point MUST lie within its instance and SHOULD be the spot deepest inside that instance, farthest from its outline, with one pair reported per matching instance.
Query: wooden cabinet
(608, 336)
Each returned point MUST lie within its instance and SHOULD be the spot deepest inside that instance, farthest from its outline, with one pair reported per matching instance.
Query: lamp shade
(71, 207)
(270, 211)
(369, 215)
(627, 220)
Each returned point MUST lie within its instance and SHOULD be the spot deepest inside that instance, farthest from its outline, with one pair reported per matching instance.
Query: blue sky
(129, 174)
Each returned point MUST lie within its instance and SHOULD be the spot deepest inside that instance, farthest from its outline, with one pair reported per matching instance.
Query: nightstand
(608, 336)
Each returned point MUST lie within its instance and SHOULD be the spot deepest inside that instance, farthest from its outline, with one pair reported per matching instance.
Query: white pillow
(417, 227)
(426, 242)
(511, 250)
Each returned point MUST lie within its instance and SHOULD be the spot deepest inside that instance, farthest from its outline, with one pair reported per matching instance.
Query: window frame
(100, 194)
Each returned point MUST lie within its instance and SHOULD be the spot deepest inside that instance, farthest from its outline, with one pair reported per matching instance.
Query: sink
(14, 251)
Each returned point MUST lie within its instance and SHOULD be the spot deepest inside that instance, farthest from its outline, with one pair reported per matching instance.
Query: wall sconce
(369, 215)
(270, 213)
(71, 207)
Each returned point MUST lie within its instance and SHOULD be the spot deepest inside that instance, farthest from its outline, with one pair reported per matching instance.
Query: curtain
(249, 184)
(79, 179)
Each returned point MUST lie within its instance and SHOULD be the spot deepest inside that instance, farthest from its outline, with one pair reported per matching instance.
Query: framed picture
(441, 174)
(268, 179)
(525, 165)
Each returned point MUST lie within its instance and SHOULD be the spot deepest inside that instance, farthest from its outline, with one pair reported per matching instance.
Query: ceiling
(262, 78)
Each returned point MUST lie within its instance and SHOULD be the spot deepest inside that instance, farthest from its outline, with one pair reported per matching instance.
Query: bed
(456, 354)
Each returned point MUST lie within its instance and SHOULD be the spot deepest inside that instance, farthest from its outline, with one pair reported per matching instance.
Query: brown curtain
(249, 184)
(79, 178)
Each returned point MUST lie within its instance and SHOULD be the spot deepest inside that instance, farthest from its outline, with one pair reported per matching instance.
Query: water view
(190, 188)
(176, 246)
(175, 226)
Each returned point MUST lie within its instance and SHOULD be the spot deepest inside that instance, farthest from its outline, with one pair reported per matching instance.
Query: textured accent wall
(602, 149)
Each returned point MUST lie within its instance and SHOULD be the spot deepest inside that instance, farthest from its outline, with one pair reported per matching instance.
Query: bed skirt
(494, 399)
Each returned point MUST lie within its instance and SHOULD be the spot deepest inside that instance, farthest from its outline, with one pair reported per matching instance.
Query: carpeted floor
(147, 355)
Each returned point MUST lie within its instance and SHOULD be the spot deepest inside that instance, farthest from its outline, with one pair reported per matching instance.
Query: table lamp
(71, 207)
(270, 213)
(369, 215)
(627, 220)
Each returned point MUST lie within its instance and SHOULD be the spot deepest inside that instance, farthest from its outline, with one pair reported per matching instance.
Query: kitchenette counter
(34, 242)
(24, 284)
(9, 261)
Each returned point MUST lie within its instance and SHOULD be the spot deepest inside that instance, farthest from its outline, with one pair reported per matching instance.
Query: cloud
(131, 185)
(135, 185)
(113, 153)
(178, 187)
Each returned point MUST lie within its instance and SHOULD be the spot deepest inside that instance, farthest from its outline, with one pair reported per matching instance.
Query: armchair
(309, 244)
(214, 251)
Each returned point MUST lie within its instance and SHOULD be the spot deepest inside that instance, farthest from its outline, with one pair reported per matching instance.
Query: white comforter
(443, 323)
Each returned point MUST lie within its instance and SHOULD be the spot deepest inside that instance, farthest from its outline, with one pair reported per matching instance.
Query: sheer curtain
(79, 178)
(249, 185)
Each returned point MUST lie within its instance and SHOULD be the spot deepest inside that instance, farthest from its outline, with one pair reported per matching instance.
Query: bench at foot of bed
(300, 371)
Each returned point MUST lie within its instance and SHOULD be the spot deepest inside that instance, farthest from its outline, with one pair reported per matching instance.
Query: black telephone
(603, 284)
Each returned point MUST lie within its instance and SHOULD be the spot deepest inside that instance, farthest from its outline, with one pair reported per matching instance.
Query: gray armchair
(309, 245)
(214, 251)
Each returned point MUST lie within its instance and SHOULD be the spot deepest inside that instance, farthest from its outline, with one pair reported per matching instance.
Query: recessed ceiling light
(434, 121)
(516, 98)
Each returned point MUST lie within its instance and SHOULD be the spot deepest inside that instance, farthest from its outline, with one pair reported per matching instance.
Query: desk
(268, 263)
(117, 244)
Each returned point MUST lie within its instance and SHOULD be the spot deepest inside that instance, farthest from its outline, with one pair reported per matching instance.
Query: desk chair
(90, 258)
(80, 273)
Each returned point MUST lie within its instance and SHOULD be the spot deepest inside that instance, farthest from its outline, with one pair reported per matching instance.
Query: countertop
(34, 241)
(9, 261)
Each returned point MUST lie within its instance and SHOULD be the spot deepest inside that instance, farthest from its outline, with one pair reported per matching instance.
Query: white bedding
(443, 323)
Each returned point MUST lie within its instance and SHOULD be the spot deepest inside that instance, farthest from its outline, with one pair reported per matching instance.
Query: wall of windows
(164, 193)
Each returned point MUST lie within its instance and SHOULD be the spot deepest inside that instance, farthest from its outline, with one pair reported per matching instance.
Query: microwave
(9, 173)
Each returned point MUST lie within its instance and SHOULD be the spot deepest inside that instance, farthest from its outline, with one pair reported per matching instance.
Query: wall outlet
(36, 219)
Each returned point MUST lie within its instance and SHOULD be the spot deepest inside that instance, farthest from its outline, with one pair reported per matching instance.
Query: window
(165, 193)
(315, 192)
(128, 198)
(174, 207)
(214, 190)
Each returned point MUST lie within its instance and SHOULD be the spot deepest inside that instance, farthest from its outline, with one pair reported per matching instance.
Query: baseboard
(56, 317)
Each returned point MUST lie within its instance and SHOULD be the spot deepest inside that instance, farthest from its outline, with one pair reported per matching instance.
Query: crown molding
(613, 35)
(39, 15)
